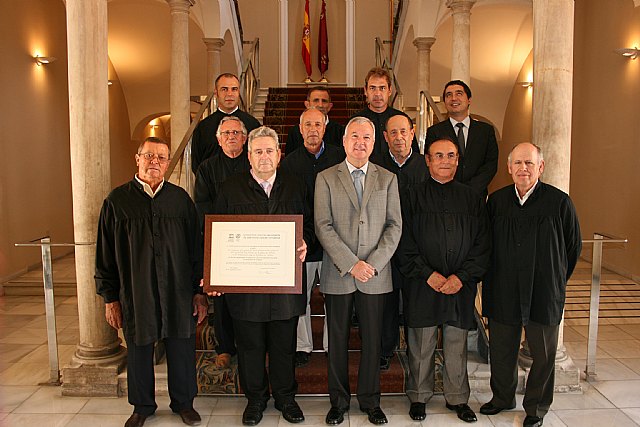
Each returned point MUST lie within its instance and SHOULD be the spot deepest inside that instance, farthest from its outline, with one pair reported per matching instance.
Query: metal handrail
(49, 303)
(594, 304)
(250, 77)
(382, 61)
(427, 109)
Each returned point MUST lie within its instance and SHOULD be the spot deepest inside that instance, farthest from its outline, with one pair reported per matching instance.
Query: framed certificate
(253, 254)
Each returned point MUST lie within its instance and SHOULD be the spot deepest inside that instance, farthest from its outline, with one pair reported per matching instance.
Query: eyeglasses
(228, 133)
(442, 156)
(150, 156)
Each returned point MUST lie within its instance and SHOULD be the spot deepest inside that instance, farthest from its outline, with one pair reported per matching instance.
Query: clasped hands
(363, 271)
(446, 285)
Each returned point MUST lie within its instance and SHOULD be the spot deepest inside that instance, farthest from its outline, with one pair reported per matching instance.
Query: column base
(567, 374)
(91, 374)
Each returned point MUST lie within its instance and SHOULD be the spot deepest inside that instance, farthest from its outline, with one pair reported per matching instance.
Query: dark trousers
(369, 310)
(390, 323)
(223, 327)
(504, 346)
(181, 372)
(254, 340)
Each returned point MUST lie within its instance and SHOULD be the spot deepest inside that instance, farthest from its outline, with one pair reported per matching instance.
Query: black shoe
(302, 358)
(376, 416)
(417, 411)
(190, 417)
(135, 420)
(252, 414)
(385, 362)
(490, 409)
(463, 411)
(532, 421)
(335, 416)
(291, 412)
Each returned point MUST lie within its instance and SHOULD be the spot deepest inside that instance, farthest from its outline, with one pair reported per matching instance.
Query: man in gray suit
(358, 222)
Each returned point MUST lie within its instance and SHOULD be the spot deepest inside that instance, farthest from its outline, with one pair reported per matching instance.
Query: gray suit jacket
(349, 233)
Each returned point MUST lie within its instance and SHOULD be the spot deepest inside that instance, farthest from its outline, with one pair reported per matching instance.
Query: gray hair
(231, 119)
(324, 116)
(538, 149)
(261, 132)
(360, 120)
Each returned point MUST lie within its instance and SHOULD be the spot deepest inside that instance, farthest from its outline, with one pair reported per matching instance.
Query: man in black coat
(444, 252)
(203, 142)
(478, 161)
(148, 267)
(410, 168)
(266, 323)
(306, 162)
(536, 244)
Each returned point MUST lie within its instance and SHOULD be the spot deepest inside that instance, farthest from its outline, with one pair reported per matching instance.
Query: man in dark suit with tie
(478, 160)
(358, 222)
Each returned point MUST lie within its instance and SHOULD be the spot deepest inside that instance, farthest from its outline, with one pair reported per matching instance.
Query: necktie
(461, 142)
(357, 183)
(266, 186)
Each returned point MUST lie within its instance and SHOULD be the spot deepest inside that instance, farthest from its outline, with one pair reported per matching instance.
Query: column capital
(460, 6)
(180, 5)
(424, 43)
(213, 44)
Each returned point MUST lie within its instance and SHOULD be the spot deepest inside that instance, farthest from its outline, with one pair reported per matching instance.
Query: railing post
(594, 306)
(50, 309)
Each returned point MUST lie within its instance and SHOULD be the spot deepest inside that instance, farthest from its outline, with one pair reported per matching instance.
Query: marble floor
(612, 400)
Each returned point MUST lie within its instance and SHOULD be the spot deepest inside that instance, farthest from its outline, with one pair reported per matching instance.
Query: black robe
(379, 120)
(204, 142)
(535, 249)
(148, 257)
(242, 195)
(332, 135)
(444, 229)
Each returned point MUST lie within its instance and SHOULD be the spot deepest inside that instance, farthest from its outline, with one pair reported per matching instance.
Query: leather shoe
(532, 421)
(417, 411)
(252, 414)
(376, 416)
(135, 420)
(335, 416)
(190, 417)
(490, 409)
(291, 412)
(463, 411)
(302, 358)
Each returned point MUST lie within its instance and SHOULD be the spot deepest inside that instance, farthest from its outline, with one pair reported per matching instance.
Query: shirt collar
(317, 156)
(260, 180)
(352, 168)
(147, 188)
(405, 160)
(524, 198)
(466, 121)
(228, 114)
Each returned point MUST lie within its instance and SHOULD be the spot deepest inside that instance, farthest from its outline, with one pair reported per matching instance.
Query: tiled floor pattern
(612, 400)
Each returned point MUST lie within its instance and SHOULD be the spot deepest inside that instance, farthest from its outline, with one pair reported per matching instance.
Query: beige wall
(122, 147)
(260, 18)
(372, 20)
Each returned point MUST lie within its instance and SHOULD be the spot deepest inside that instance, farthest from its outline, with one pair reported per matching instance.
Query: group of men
(381, 224)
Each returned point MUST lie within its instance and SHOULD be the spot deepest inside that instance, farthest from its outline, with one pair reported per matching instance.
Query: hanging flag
(323, 41)
(306, 40)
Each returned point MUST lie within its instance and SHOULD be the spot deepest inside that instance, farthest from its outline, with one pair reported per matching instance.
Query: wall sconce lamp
(526, 83)
(628, 52)
(44, 59)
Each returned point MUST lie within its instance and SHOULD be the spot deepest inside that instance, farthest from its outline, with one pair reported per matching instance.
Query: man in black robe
(315, 156)
(148, 268)
(317, 97)
(536, 244)
(266, 323)
(410, 168)
(232, 160)
(377, 89)
(203, 142)
(444, 252)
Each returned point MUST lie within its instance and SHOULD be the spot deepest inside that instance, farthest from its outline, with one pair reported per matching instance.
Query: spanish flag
(306, 40)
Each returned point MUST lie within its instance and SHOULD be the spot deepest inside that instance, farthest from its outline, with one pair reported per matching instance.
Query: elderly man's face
(228, 93)
(377, 92)
(442, 160)
(399, 136)
(319, 99)
(152, 162)
(231, 138)
(525, 166)
(312, 128)
(358, 143)
(264, 156)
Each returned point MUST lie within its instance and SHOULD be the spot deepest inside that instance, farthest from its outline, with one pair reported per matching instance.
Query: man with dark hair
(148, 268)
(320, 98)
(410, 168)
(231, 160)
(536, 244)
(306, 163)
(377, 89)
(444, 252)
(478, 160)
(203, 142)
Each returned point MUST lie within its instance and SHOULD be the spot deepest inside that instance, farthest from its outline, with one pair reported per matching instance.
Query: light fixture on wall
(526, 83)
(631, 52)
(40, 60)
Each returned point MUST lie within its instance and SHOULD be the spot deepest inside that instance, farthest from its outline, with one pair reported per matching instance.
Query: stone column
(179, 90)
(552, 109)
(423, 44)
(99, 357)
(460, 53)
(214, 46)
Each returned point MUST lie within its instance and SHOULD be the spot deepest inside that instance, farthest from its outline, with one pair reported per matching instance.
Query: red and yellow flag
(323, 41)
(306, 40)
